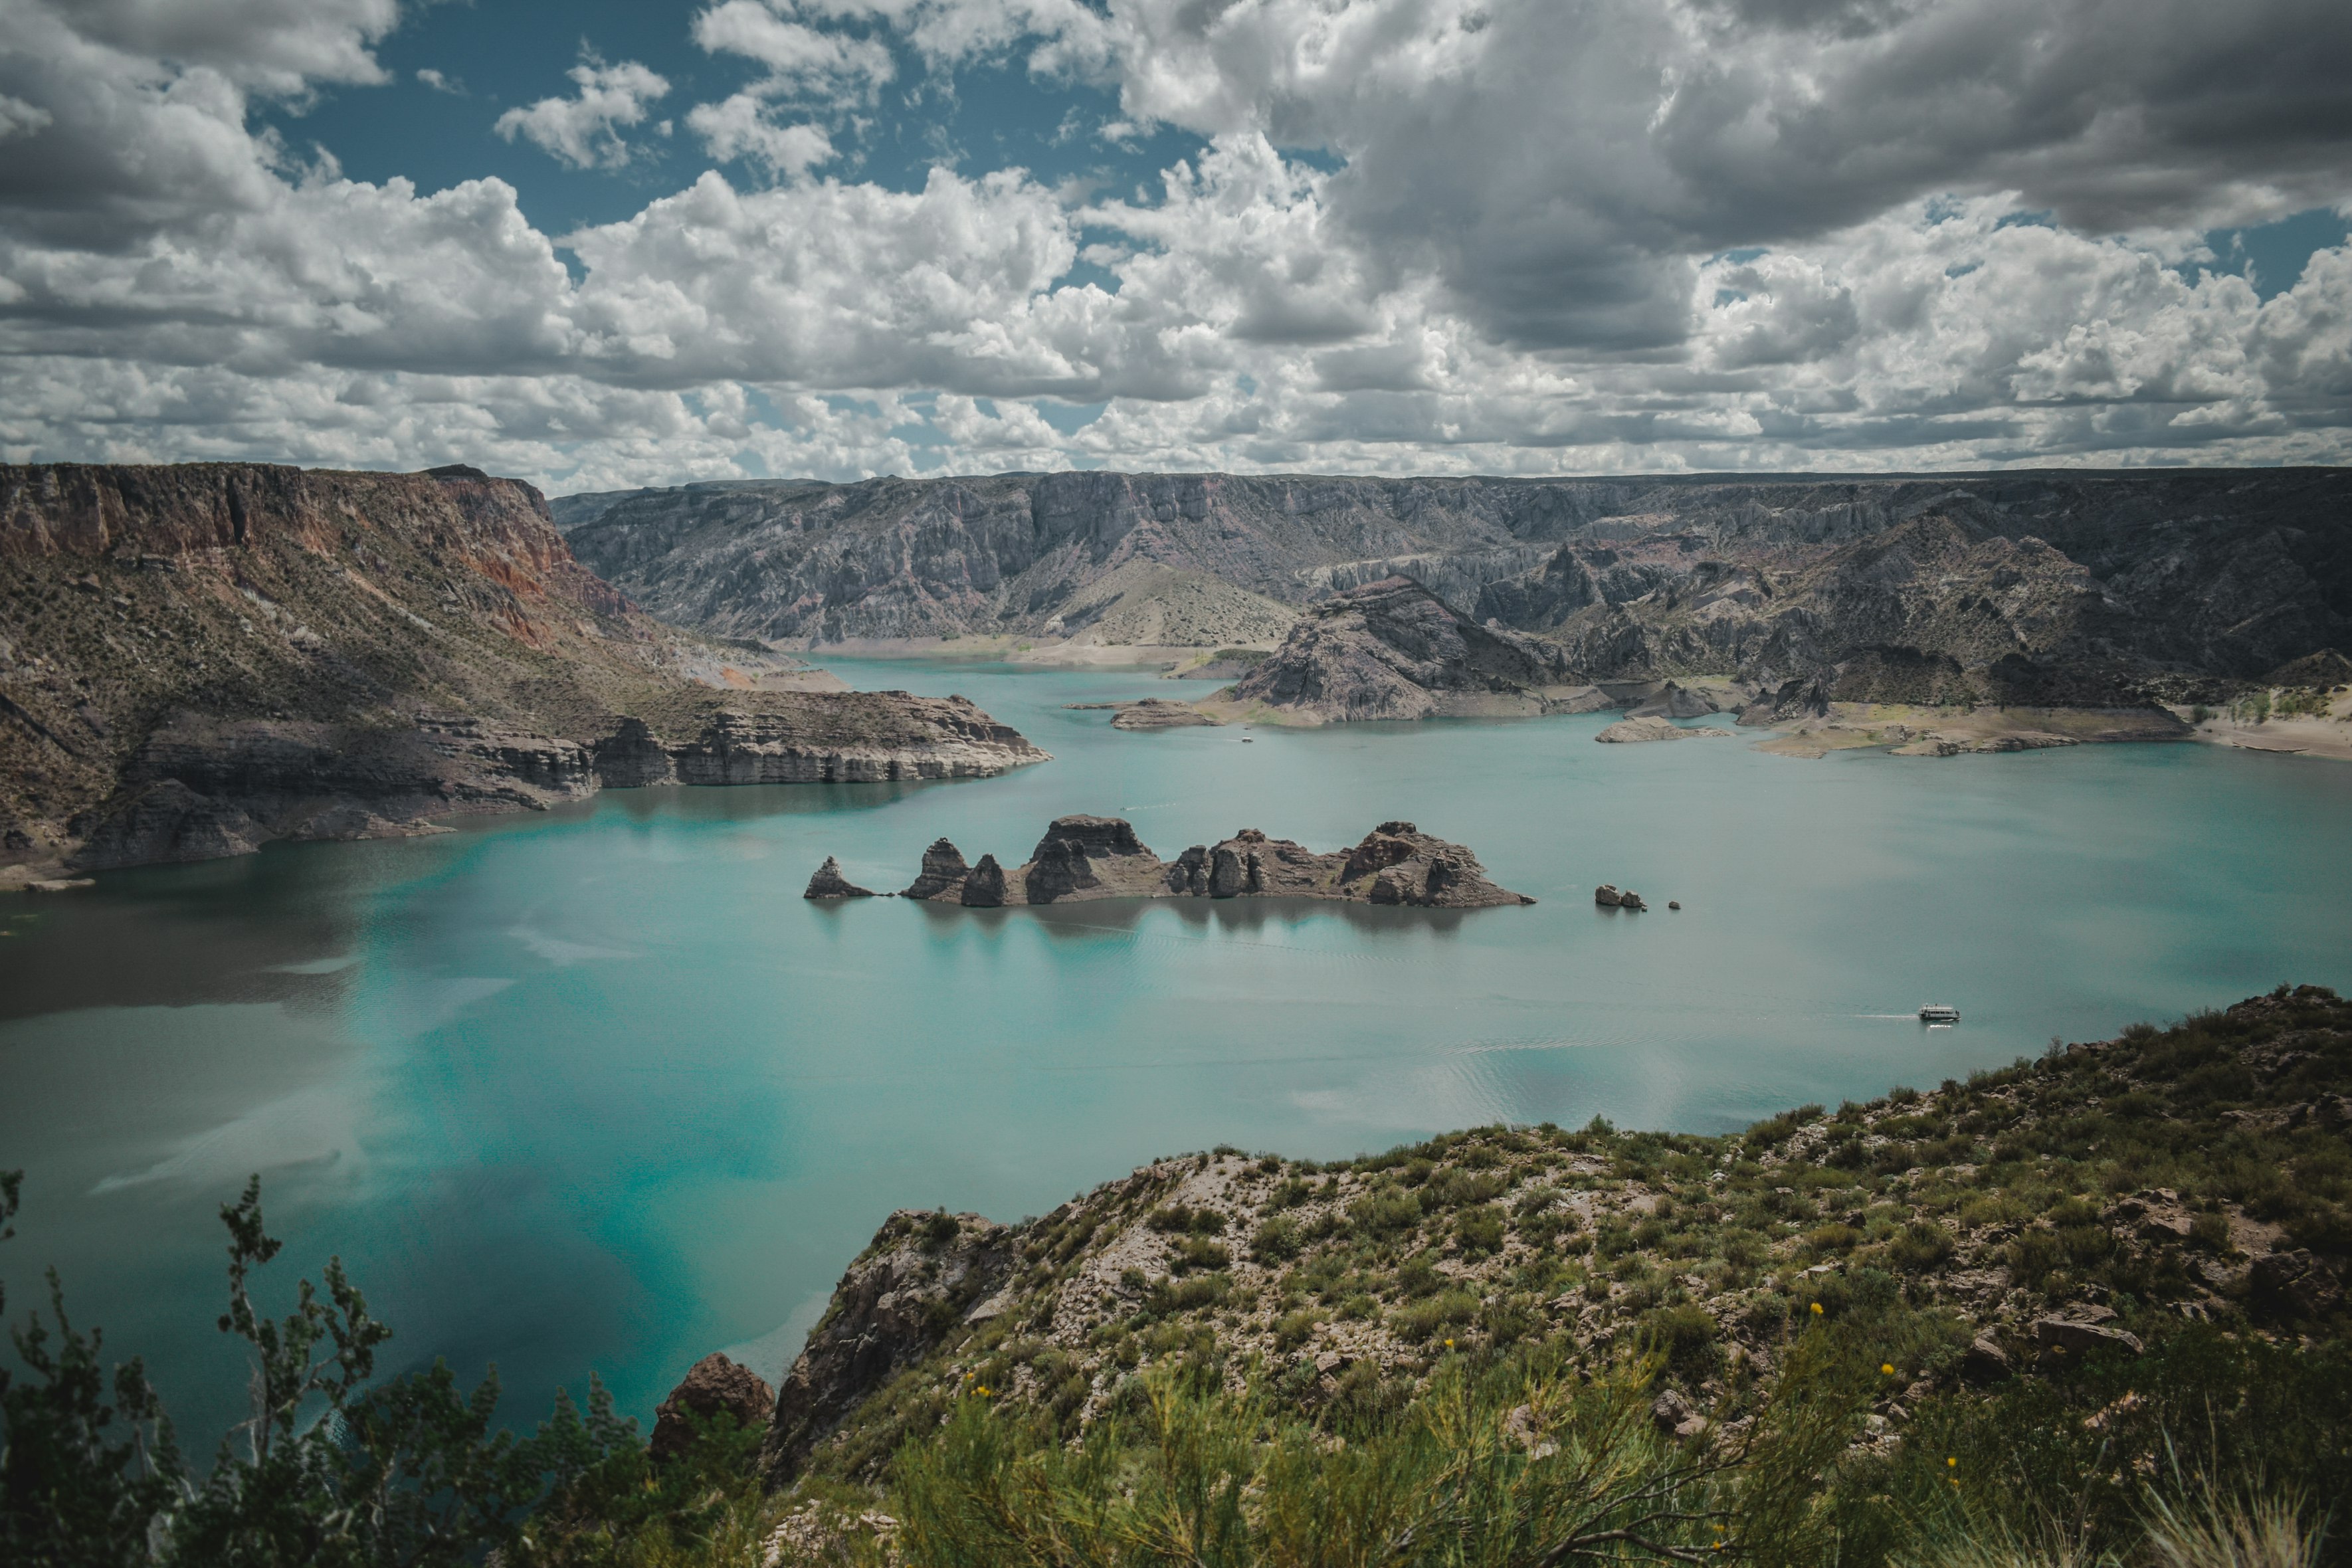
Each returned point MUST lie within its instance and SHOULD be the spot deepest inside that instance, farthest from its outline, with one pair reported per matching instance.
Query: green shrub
(1479, 1233)
(1919, 1249)
(1277, 1240)
(1451, 1308)
(1197, 1253)
(1383, 1213)
(1682, 1336)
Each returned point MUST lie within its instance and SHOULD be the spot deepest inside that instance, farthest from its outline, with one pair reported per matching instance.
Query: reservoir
(598, 1089)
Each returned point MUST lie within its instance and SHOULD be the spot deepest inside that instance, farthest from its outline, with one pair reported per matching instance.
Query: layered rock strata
(196, 660)
(1082, 857)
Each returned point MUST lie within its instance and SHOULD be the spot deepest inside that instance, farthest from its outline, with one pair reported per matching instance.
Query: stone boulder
(2081, 1331)
(1607, 896)
(829, 883)
(1985, 1361)
(712, 1387)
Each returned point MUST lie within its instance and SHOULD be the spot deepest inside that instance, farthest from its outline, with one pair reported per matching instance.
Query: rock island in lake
(1101, 857)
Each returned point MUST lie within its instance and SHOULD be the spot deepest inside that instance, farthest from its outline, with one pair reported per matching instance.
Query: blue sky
(497, 56)
(598, 244)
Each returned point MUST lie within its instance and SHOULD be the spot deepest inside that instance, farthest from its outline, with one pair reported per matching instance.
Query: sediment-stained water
(599, 1090)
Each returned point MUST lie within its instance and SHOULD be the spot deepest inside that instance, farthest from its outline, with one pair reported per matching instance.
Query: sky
(611, 243)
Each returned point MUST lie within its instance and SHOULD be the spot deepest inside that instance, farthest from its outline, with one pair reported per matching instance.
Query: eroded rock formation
(1082, 857)
(829, 883)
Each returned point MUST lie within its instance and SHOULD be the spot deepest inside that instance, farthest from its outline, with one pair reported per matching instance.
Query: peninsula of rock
(1083, 857)
(197, 659)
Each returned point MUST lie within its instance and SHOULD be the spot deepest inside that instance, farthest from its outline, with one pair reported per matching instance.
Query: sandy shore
(1909, 732)
(2311, 736)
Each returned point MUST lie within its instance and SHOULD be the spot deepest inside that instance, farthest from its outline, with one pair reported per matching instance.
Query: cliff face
(196, 659)
(2176, 574)
(924, 1276)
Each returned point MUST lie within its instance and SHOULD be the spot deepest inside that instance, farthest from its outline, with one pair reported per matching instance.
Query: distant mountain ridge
(2106, 582)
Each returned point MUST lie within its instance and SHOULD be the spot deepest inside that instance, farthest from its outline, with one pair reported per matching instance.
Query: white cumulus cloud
(1525, 236)
(583, 131)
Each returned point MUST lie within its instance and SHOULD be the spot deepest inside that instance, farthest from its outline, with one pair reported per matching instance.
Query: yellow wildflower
(1816, 1308)
(1887, 1367)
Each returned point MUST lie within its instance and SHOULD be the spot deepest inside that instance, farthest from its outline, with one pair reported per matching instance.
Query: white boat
(1937, 1012)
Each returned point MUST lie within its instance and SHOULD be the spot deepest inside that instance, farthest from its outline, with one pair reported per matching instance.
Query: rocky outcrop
(984, 888)
(1607, 897)
(916, 1282)
(712, 1387)
(1084, 857)
(850, 737)
(1626, 732)
(829, 883)
(1674, 700)
(1393, 649)
(1157, 713)
(198, 660)
(941, 877)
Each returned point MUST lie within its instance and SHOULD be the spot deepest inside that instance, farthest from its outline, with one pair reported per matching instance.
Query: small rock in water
(829, 883)
(1607, 896)
(1672, 904)
(1630, 900)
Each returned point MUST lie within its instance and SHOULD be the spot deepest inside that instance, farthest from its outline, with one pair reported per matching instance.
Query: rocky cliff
(1084, 857)
(2083, 1203)
(2086, 583)
(197, 659)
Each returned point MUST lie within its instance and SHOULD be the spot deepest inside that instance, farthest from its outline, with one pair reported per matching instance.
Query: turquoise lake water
(598, 1089)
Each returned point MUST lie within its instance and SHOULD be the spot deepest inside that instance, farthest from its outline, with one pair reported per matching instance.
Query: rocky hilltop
(1083, 857)
(2089, 1205)
(1393, 649)
(2065, 587)
(197, 659)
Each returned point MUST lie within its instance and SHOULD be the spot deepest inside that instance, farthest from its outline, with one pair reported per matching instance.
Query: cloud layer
(1499, 235)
